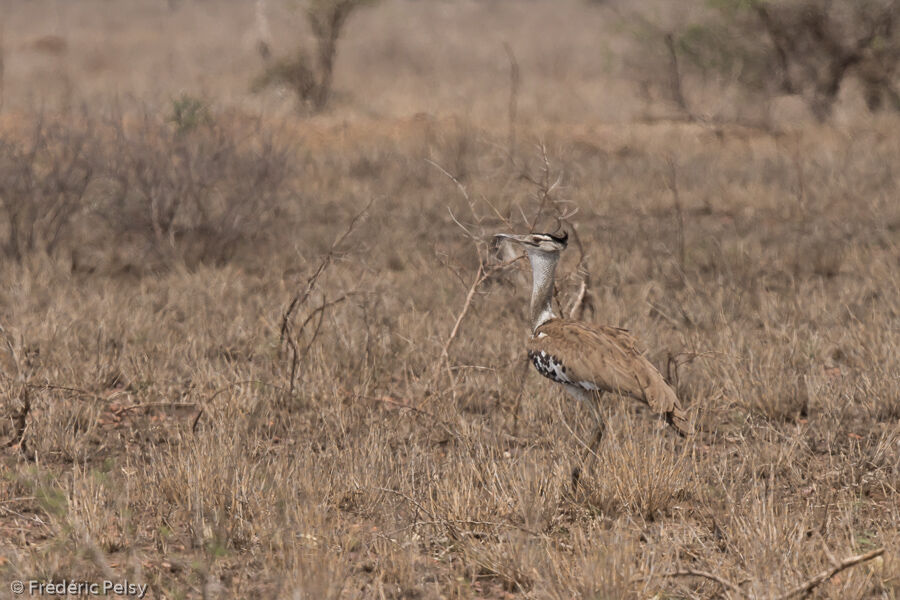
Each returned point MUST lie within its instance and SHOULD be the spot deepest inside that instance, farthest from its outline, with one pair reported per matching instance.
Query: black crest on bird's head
(562, 239)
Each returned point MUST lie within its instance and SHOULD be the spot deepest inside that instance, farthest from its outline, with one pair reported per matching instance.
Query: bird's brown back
(604, 359)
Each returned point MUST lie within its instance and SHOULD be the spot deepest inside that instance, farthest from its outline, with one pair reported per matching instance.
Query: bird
(588, 360)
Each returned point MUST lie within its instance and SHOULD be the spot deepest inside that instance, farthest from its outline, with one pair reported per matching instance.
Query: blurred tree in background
(770, 47)
(310, 78)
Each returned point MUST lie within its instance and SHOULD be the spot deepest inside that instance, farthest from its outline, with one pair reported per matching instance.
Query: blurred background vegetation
(79, 80)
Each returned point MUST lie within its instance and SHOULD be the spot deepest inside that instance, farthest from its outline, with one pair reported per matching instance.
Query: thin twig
(65, 388)
(409, 499)
(300, 298)
(196, 420)
(453, 178)
(545, 188)
(482, 274)
(444, 358)
(574, 311)
(452, 531)
(319, 310)
(460, 225)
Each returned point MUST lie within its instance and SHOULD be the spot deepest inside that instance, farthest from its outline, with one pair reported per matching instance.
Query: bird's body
(597, 359)
(589, 360)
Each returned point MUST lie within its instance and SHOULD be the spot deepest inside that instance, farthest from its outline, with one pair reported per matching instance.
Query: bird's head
(546, 243)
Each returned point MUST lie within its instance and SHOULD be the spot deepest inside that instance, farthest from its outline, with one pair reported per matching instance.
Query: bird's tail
(680, 420)
(662, 398)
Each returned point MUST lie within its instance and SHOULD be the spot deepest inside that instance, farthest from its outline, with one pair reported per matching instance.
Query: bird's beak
(499, 237)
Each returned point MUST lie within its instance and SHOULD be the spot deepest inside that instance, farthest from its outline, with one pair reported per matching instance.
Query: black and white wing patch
(552, 368)
(549, 366)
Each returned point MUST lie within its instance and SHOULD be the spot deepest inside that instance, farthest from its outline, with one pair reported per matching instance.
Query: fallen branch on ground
(804, 588)
(824, 576)
(695, 573)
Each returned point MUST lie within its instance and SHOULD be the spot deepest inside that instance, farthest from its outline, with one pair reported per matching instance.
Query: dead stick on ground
(803, 588)
(696, 573)
(824, 576)
(451, 529)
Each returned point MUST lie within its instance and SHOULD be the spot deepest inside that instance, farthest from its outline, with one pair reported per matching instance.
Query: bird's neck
(543, 270)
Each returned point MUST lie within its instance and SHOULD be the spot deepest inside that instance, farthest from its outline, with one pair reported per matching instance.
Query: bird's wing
(607, 359)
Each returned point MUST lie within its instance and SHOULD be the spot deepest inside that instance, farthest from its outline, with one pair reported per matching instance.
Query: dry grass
(164, 442)
(175, 445)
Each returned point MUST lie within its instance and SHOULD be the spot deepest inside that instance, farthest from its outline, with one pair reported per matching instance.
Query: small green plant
(188, 113)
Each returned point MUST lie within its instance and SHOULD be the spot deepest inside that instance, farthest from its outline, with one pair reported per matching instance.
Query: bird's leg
(591, 450)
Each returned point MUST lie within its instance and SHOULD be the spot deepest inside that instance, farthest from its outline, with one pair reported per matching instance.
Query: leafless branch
(479, 277)
(577, 305)
(300, 298)
(452, 177)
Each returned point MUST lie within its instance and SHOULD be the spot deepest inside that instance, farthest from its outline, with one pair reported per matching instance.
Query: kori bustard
(588, 360)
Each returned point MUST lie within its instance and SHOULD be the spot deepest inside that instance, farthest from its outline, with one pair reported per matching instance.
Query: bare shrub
(43, 182)
(195, 190)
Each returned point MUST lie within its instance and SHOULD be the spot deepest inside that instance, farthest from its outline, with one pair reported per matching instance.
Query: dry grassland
(178, 434)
